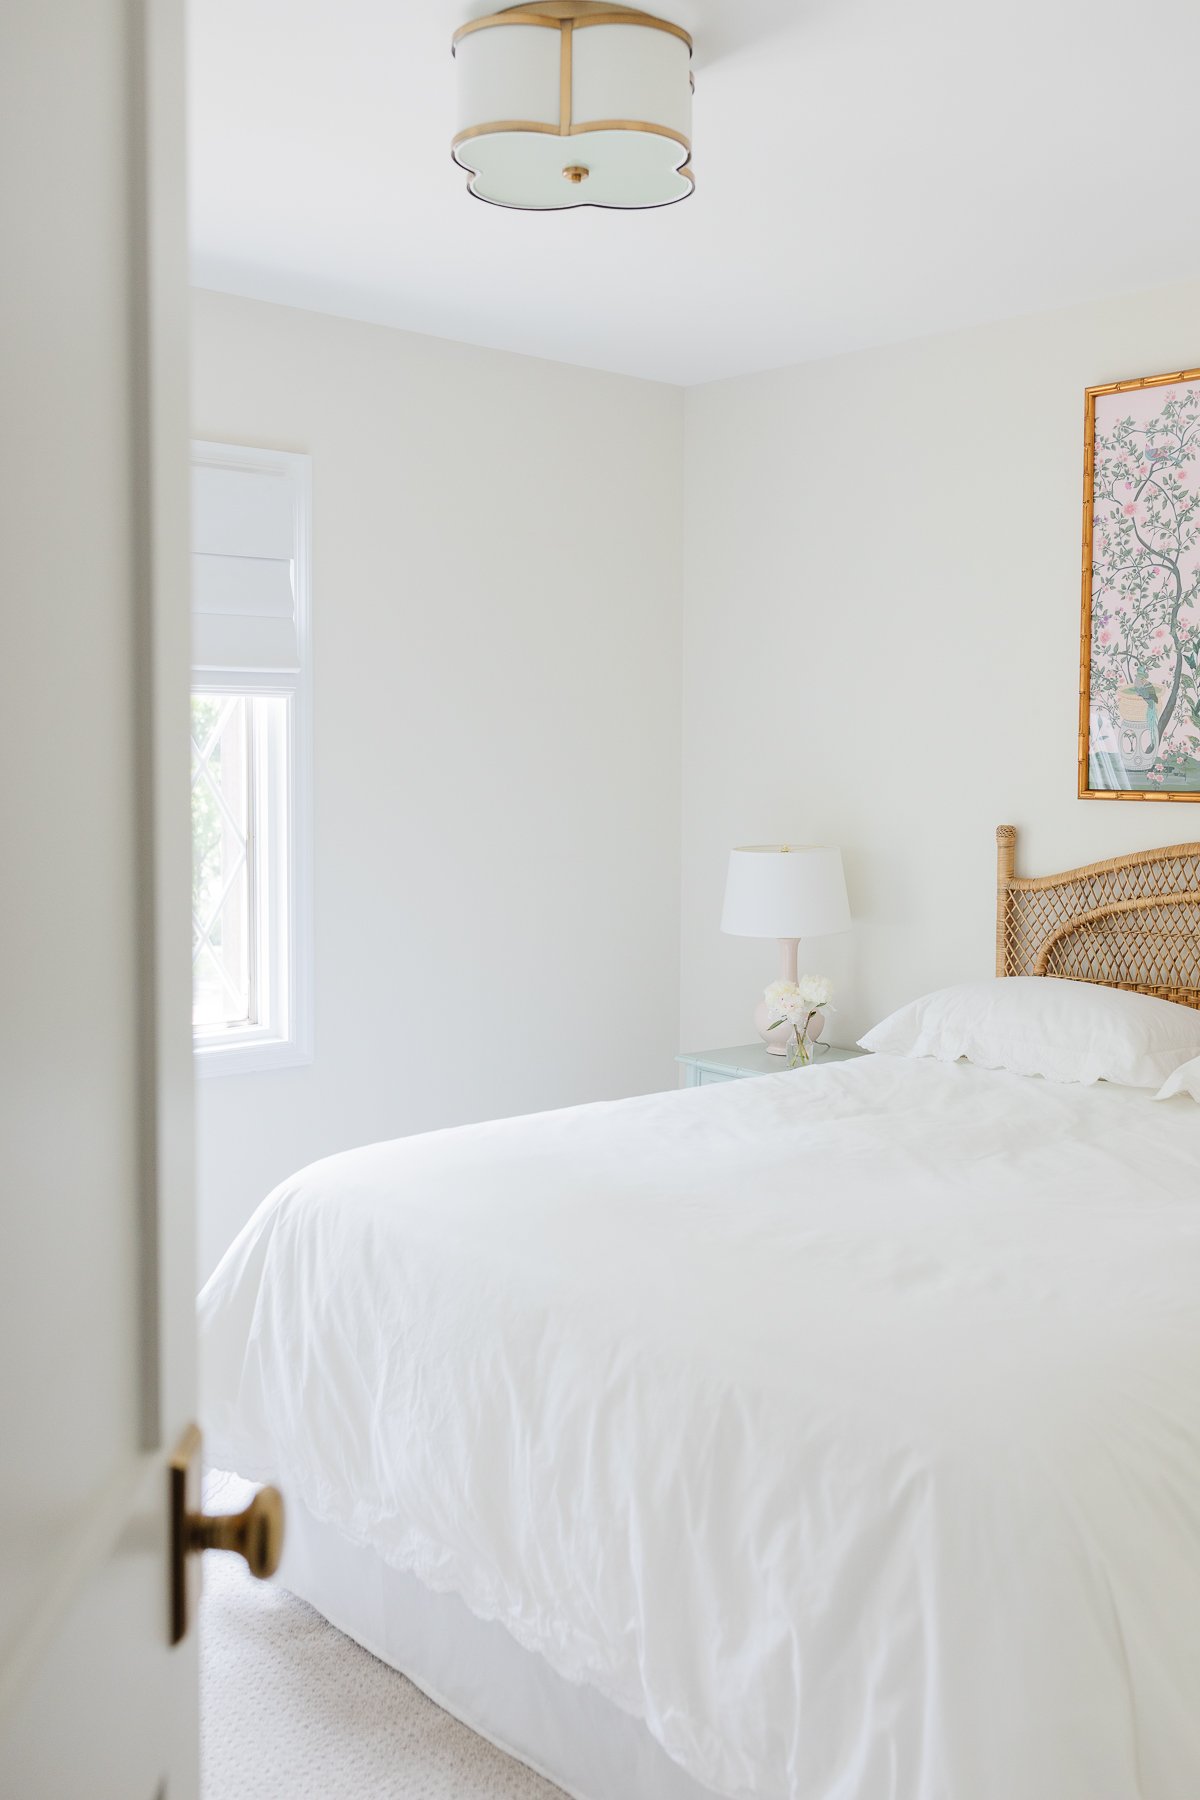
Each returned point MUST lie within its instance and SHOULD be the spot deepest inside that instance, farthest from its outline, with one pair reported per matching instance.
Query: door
(96, 1286)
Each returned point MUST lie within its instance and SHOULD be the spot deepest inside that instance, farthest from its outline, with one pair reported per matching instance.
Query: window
(240, 916)
(225, 888)
(251, 944)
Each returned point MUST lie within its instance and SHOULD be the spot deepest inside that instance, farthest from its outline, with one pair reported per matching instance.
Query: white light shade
(567, 103)
(785, 891)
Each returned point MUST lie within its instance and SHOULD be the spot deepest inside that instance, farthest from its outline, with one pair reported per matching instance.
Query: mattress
(840, 1428)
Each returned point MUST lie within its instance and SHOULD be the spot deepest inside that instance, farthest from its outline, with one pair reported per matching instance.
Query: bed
(829, 1436)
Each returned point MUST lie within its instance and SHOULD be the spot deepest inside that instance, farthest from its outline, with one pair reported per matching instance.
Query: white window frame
(284, 951)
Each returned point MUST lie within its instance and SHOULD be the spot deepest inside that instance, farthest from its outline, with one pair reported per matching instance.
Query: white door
(96, 1288)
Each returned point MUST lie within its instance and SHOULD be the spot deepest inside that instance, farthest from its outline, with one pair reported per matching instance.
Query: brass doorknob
(255, 1533)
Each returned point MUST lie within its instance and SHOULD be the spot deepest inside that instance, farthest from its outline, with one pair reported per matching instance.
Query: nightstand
(701, 1068)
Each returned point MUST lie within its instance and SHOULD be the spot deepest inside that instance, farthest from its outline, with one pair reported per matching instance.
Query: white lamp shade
(572, 104)
(785, 891)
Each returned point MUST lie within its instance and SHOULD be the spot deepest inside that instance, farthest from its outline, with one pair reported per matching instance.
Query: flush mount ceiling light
(574, 103)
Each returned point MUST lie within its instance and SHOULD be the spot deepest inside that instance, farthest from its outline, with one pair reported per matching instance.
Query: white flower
(794, 1002)
(785, 1004)
(780, 995)
(814, 992)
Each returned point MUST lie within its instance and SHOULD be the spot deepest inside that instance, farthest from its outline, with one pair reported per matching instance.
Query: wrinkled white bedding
(843, 1424)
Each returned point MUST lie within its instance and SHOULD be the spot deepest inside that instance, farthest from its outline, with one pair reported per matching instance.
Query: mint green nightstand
(701, 1068)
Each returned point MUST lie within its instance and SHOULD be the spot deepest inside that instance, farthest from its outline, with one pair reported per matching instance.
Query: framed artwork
(1139, 689)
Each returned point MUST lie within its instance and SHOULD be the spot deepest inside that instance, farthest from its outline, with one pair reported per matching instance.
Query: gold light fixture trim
(501, 125)
(575, 14)
(566, 17)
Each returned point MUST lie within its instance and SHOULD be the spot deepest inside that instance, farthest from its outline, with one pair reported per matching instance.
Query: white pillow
(1185, 1080)
(1035, 1025)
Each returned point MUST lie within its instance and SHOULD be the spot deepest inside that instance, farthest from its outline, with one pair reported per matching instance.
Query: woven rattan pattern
(1132, 922)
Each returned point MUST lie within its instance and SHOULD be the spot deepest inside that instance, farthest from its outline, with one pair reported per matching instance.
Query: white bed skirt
(473, 1669)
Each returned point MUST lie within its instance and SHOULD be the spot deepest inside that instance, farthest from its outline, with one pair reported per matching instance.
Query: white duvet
(844, 1425)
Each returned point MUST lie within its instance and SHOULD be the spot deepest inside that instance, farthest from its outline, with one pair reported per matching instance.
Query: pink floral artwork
(1142, 639)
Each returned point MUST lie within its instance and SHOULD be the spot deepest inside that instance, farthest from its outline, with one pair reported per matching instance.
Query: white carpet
(292, 1710)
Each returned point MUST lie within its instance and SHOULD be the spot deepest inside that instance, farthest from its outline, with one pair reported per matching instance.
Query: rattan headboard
(1132, 922)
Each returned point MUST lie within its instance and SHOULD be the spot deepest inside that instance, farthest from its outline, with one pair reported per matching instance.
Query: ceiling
(866, 171)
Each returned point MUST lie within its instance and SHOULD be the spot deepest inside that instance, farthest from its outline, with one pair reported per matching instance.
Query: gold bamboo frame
(567, 17)
(1132, 922)
(1091, 395)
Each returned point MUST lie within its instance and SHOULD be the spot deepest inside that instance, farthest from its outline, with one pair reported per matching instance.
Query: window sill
(209, 1059)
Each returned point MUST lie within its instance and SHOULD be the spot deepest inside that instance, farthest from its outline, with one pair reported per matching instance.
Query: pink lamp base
(779, 1041)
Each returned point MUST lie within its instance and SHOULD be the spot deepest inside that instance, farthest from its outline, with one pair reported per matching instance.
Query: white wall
(881, 641)
(880, 556)
(496, 602)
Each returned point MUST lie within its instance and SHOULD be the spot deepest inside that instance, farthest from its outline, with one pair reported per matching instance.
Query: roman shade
(243, 568)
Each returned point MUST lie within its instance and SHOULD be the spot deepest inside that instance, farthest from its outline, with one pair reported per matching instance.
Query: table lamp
(784, 891)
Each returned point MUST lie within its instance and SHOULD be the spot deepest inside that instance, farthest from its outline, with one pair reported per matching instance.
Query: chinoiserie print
(1140, 692)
